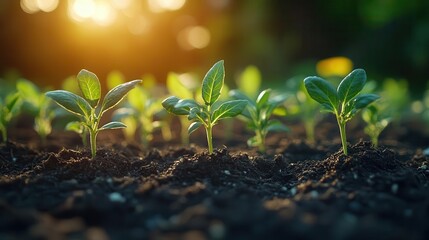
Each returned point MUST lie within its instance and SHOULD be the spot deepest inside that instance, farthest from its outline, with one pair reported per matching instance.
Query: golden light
(104, 14)
(195, 37)
(29, 6)
(334, 66)
(101, 12)
(121, 4)
(47, 5)
(158, 6)
(80, 10)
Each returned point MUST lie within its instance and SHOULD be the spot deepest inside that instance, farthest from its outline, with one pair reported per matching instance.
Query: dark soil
(295, 191)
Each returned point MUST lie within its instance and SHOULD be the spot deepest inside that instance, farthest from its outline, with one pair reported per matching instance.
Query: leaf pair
(205, 115)
(91, 91)
(87, 107)
(343, 102)
(344, 99)
(258, 113)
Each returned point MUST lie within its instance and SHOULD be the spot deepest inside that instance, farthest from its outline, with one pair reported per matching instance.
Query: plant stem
(184, 124)
(343, 136)
(93, 142)
(261, 141)
(209, 138)
(309, 130)
(3, 134)
(374, 140)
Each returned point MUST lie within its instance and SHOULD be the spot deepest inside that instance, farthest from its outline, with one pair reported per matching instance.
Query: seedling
(87, 108)
(303, 106)
(139, 113)
(344, 102)
(9, 109)
(376, 122)
(38, 105)
(211, 112)
(258, 113)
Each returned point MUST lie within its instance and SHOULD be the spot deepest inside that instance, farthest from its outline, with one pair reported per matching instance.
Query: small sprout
(258, 113)
(88, 107)
(376, 122)
(9, 109)
(211, 112)
(139, 114)
(302, 106)
(39, 106)
(344, 102)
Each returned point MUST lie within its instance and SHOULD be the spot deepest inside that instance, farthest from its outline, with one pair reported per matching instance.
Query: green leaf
(263, 98)
(114, 96)
(75, 127)
(351, 85)
(112, 125)
(187, 103)
(249, 81)
(90, 86)
(12, 102)
(364, 100)
(71, 102)
(29, 91)
(238, 95)
(170, 103)
(323, 92)
(213, 83)
(194, 126)
(276, 126)
(228, 109)
(176, 88)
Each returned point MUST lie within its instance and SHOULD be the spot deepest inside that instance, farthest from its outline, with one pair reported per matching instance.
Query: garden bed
(295, 191)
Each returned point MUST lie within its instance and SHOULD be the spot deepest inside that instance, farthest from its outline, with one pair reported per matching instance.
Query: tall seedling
(344, 102)
(88, 108)
(210, 113)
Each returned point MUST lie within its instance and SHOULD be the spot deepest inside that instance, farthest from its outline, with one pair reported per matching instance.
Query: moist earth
(296, 190)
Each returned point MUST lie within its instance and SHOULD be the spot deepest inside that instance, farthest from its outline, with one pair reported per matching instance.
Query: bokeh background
(46, 41)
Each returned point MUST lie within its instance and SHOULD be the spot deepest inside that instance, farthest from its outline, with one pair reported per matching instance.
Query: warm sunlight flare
(33, 6)
(157, 6)
(195, 37)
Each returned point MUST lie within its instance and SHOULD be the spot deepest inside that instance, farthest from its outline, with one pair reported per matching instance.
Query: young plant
(38, 105)
(88, 108)
(139, 113)
(211, 112)
(376, 122)
(302, 106)
(258, 113)
(344, 102)
(9, 109)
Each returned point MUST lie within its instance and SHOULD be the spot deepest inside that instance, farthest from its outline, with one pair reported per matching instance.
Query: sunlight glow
(47, 5)
(29, 6)
(195, 37)
(101, 12)
(158, 6)
(104, 14)
(81, 9)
